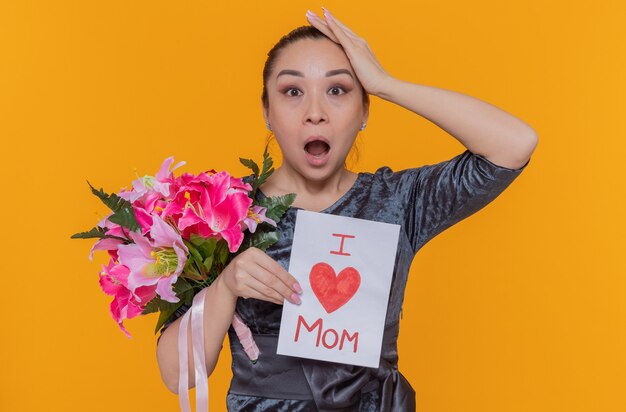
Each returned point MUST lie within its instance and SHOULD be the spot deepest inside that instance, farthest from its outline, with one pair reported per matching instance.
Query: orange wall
(520, 307)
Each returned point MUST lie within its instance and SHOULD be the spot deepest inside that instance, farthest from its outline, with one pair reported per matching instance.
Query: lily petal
(164, 289)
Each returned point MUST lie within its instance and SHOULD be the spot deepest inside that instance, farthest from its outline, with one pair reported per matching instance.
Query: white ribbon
(196, 312)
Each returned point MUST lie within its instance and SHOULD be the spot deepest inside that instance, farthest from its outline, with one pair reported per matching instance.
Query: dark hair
(297, 34)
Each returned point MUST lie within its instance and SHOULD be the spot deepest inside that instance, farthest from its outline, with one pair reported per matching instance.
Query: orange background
(520, 307)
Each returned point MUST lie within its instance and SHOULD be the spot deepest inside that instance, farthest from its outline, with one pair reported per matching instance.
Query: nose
(315, 111)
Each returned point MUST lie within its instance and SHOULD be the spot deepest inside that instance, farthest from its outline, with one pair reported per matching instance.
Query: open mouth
(317, 148)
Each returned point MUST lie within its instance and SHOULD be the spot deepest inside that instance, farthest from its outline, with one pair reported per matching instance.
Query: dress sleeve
(438, 196)
(179, 312)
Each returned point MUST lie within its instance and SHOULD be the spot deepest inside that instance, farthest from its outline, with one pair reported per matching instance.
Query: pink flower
(256, 215)
(155, 262)
(109, 244)
(211, 206)
(152, 187)
(143, 218)
(125, 305)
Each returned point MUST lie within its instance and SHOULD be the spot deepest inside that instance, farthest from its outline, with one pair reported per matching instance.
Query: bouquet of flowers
(169, 237)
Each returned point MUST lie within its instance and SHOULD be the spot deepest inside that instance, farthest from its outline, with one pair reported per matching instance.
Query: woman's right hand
(253, 274)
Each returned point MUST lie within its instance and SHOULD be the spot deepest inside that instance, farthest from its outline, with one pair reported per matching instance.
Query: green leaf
(267, 171)
(191, 269)
(189, 298)
(277, 205)
(126, 218)
(263, 240)
(184, 291)
(159, 305)
(151, 307)
(123, 213)
(193, 252)
(97, 231)
(267, 167)
(208, 263)
(250, 164)
(206, 247)
(165, 315)
(221, 251)
(181, 286)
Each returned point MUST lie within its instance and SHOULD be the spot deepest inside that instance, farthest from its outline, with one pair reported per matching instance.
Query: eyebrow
(328, 74)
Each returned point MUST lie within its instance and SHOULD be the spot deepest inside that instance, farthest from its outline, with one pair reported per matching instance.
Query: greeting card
(345, 266)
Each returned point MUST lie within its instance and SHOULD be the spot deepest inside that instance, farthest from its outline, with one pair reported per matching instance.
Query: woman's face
(314, 95)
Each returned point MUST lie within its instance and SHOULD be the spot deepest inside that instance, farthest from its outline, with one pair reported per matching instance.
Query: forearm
(479, 126)
(219, 308)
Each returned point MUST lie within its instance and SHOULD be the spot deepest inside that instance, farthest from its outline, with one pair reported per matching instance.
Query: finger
(275, 268)
(338, 31)
(321, 25)
(263, 292)
(270, 276)
(331, 17)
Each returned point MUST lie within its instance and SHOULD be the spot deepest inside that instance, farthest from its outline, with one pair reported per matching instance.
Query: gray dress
(425, 201)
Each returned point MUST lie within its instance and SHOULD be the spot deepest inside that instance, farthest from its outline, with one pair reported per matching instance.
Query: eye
(288, 90)
(335, 91)
(338, 88)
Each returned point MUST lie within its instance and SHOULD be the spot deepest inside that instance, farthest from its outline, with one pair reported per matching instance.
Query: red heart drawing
(333, 291)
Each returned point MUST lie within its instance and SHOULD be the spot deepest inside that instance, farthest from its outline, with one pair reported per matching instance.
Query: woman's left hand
(368, 70)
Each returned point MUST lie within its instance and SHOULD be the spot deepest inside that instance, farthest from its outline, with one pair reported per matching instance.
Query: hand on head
(367, 68)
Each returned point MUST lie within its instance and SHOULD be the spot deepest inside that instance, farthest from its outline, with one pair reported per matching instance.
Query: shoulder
(386, 176)
(465, 163)
(408, 180)
(387, 183)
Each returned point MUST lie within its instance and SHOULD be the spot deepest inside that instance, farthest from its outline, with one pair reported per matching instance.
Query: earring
(267, 124)
(363, 124)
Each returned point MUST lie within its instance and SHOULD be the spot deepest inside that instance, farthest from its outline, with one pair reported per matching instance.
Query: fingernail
(297, 287)
(296, 298)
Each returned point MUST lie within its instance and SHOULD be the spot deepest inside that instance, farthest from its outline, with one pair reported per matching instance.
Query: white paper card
(345, 266)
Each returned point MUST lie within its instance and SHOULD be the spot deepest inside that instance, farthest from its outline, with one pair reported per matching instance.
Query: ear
(366, 114)
(265, 112)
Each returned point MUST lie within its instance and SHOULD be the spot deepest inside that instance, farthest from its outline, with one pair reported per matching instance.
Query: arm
(251, 274)
(481, 127)
(219, 308)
